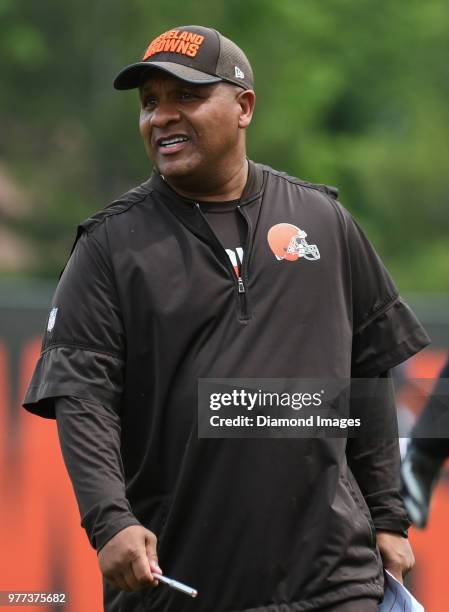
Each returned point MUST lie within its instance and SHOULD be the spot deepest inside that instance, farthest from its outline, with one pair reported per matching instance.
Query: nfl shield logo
(52, 319)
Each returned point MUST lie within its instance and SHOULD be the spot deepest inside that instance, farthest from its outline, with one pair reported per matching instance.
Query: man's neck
(226, 190)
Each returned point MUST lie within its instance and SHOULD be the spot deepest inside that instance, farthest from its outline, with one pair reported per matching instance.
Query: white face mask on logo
(289, 242)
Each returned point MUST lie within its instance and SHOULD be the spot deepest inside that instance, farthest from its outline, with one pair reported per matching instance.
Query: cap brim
(131, 76)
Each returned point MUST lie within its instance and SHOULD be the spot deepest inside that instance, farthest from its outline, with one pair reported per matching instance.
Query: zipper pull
(241, 285)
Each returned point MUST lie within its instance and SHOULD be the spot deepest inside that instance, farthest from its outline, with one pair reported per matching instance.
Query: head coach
(220, 267)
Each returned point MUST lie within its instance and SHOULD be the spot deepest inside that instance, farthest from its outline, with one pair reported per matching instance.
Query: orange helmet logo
(289, 242)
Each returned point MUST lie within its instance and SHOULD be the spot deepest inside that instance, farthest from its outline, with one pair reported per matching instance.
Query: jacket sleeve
(89, 435)
(385, 333)
(83, 348)
(385, 330)
(81, 371)
(375, 459)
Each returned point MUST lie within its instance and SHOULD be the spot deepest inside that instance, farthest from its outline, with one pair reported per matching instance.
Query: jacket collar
(167, 197)
(252, 190)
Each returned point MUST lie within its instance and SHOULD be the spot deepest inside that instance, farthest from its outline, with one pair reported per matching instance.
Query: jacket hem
(373, 590)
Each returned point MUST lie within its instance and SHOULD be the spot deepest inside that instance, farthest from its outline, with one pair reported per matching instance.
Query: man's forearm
(375, 461)
(89, 435)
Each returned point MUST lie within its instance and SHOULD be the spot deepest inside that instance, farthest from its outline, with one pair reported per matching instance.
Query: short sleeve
(83, 346)
(385, 330)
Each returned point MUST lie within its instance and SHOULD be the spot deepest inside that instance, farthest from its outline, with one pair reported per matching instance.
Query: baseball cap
(194, 54)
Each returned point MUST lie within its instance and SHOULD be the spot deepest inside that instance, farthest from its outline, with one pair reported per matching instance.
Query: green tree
(350, 92)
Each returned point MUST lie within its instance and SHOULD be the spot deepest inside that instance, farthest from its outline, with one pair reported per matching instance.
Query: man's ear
(247, 101)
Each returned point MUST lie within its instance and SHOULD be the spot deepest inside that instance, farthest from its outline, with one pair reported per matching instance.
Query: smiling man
(219, 267)
(189, 129)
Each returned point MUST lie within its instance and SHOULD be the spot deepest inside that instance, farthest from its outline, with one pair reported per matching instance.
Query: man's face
(190, 131)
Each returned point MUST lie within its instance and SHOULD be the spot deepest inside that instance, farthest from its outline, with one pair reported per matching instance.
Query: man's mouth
(171, 144)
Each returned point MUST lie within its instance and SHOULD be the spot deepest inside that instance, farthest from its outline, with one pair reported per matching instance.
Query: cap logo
(175, 41)
(238, 73)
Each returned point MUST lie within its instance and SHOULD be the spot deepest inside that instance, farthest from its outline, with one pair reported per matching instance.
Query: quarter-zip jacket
(148, 304)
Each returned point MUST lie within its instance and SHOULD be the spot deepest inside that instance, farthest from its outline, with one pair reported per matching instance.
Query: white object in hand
(397, 598)
(174, 584)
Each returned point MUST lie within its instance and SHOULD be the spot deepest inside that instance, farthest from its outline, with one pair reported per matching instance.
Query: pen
(174, 584)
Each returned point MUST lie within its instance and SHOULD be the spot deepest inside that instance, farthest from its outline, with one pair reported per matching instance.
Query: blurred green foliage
(353, 93)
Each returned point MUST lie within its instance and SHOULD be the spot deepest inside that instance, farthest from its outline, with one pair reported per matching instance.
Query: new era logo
(238, 73)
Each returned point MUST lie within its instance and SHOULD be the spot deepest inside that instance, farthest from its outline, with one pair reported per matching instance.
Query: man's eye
(187, 95)
(149, 102)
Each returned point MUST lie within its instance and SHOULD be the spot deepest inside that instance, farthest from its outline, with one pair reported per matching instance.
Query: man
(218, 267)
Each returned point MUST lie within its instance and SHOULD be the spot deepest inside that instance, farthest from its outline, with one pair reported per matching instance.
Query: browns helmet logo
(289, 242)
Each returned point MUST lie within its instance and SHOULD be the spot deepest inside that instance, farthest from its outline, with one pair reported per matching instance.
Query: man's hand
(396, 552)
(129, 559)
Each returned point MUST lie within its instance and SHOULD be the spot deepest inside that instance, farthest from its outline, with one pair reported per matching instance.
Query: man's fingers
(154, 567)
(142, 574)
(399, 570)
(150, 545)
(396, 552)
(135, 577)
(129, 559)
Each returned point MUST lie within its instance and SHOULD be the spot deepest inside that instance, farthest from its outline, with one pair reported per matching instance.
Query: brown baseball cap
(194, 54)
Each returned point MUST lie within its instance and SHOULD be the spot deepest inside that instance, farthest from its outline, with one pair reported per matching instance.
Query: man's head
(196, 97)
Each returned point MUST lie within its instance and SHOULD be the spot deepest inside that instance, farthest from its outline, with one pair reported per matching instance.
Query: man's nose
(164, 114)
